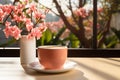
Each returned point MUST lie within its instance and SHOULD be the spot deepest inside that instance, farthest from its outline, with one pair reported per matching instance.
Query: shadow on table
(69, 75)
(118, 60)
(98, 72)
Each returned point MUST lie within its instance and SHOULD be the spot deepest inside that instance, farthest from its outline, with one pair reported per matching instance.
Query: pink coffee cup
(52, 57)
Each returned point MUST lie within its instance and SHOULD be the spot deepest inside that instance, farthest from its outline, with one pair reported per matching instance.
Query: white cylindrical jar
(27, 50)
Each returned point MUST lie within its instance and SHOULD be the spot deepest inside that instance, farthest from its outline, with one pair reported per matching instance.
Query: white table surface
(87, 69)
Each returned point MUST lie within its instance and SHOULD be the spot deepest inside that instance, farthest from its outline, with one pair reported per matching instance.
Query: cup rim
(51, 47)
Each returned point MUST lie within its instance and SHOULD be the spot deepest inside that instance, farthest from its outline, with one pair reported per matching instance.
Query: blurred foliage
(111, 41)
(74, 42)
(50, 38)
(8, 43)
(116, 32)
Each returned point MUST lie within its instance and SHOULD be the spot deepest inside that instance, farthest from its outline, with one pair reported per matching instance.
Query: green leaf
(48, 36)
(117, 32)
(36, 1)
(25, 9)
(111, 41)
(74, 42)
(99, 36)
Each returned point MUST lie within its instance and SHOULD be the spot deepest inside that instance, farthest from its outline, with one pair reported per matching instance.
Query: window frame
(72, 52)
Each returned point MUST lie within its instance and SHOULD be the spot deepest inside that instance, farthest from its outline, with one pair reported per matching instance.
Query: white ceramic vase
(27, 50)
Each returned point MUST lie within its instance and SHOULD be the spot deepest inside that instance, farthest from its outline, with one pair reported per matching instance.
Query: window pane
(70, 23)
(108, 22)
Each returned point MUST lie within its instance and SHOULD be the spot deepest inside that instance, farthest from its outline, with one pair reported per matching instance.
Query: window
(92, 49)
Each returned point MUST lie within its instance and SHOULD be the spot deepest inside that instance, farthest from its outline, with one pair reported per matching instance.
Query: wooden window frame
(72, 52)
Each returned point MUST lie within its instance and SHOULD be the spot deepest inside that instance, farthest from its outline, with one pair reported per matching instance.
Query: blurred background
(70, 23)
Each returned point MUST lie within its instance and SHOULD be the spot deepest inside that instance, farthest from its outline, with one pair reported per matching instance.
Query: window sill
(72, 52)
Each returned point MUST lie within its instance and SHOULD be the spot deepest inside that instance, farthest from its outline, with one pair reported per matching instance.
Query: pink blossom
(21, 15)
(1, 19)
(88, 29)
(7, 24)
(42, 27)
(33, 7)
(17, 18)
(55, 26)
(1, 12)
(99, 10)
(35, 33)
(20, 6)
(27, 20)
(2, 15)
(13, 31)
(88, 32)
(17, 11)
(16, 33)
(39, 15)
(7, 9)
(7, 31)
(81, 12)
(43, 16)
(29, 26)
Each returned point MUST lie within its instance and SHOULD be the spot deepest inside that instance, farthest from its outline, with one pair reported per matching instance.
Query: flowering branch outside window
(22, 18)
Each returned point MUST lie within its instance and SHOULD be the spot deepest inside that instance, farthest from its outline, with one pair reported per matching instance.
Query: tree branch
(79, 33)
(84, 2)
(70, 8)
(50, 9)
(69, 26)
(80, 19)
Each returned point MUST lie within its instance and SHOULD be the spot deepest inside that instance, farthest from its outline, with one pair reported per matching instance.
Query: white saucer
(69, 65)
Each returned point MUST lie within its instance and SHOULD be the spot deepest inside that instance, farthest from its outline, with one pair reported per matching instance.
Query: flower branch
(22, 17)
